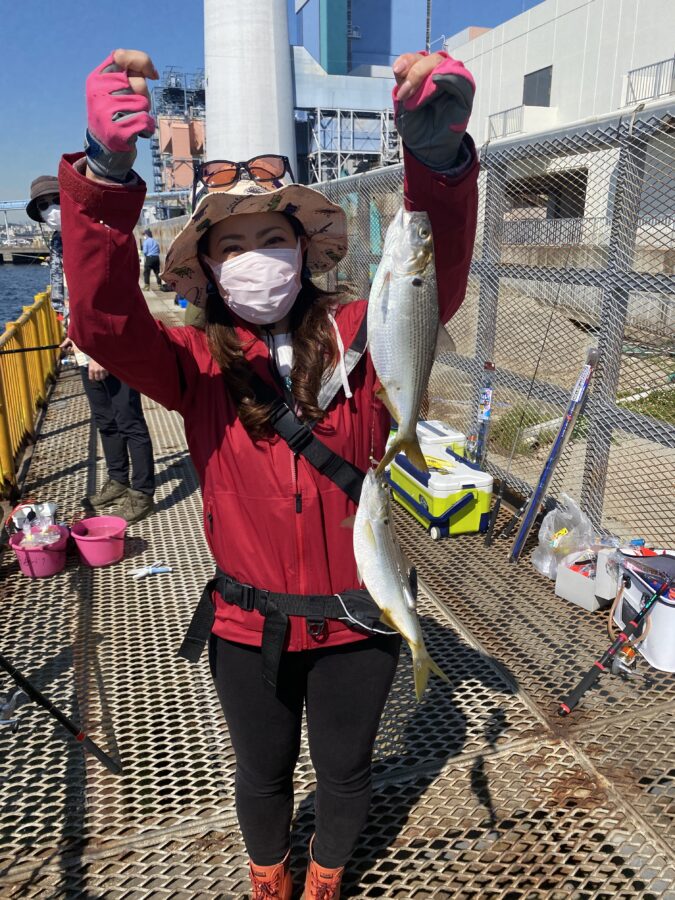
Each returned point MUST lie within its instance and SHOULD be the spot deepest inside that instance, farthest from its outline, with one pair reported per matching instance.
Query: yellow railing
(24, 378)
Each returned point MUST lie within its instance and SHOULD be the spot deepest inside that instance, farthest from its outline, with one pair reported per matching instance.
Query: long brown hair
(314, 350)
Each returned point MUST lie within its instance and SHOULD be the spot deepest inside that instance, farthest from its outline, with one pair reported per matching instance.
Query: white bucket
(658, 648)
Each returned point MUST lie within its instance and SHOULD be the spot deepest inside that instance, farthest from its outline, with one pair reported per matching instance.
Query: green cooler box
(453, 497)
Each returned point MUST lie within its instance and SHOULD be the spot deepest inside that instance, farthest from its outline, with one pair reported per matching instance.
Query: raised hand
(118, 112)
(433, 98)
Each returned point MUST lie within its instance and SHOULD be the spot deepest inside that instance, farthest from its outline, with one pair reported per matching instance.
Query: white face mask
(260, 286)
(52, 216)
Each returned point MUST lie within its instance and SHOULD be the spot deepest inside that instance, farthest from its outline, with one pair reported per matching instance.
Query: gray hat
(43, 186)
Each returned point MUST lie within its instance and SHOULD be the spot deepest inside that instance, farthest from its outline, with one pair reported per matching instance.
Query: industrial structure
(180, 111)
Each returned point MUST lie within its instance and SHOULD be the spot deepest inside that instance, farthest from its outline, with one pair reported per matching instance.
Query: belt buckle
(248, 597)
(316, 628)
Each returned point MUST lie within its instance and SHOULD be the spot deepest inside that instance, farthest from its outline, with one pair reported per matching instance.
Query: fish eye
(424, 233)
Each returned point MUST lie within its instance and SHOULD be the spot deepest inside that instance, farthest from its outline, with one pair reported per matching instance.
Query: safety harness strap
(354, 606)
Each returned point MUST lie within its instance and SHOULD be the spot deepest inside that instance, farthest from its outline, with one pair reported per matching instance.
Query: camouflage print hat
(325, 225)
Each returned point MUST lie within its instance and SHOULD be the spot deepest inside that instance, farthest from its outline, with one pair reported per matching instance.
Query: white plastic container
(658, 648)
(593, 584)
(434, 434)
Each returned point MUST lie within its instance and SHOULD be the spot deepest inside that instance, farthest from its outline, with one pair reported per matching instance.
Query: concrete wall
(591, 45)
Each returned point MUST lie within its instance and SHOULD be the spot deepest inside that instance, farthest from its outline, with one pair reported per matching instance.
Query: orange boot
(271, 881)
(320, 883)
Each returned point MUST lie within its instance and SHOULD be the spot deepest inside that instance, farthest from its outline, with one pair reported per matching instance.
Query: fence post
(24, 384)
(363, 240)
(7, 470)
(488, 293)
(613, 312)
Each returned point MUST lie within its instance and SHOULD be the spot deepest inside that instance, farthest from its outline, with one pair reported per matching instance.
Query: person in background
(115, 407)
(44, 208)
(150, 249)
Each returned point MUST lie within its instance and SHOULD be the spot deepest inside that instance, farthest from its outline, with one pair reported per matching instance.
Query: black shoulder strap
(302, 441)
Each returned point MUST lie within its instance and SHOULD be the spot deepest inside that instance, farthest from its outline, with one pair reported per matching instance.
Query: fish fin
(444, 343)
(422, 666)
(386, 619)
(381, 392)
(348, 522)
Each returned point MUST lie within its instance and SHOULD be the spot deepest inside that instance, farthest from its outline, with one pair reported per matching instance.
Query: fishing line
(349, 618)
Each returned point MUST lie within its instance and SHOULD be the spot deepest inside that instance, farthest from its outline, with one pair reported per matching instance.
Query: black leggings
(345, 689)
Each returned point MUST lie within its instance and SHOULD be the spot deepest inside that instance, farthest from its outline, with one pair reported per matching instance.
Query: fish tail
(423, 664)
(387, 458)
(414, 453)
(411, 448)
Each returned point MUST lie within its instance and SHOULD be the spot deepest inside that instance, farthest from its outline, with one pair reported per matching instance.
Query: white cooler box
(658, 648)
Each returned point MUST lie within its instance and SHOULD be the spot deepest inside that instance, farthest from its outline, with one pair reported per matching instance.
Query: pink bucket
(42, 560)
(100, 539)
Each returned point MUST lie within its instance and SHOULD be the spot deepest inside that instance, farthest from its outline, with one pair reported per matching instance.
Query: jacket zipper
(298, 522)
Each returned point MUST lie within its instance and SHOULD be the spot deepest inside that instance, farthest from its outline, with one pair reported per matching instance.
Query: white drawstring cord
(349, 618)
(341, 352)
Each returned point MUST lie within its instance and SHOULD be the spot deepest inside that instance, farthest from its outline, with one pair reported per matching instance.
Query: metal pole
(613, 311)
(6, 227)
(488, 296)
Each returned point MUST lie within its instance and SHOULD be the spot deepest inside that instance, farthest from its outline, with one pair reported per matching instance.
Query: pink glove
(432, 122)
(116, 117)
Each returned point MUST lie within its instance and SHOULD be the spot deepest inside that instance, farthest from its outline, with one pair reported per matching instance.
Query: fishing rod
(622, 639)
(79, 735)
(530, 509)
(30, 349)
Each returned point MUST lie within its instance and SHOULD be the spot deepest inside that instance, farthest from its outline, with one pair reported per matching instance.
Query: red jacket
(251, 491)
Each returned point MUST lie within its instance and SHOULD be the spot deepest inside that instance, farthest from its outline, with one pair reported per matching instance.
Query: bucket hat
(43, 186)
(325, 225)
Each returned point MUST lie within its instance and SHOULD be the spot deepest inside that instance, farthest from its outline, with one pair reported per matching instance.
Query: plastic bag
(564, 530)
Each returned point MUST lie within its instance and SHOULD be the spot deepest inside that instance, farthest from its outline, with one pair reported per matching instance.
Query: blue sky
(49, 46)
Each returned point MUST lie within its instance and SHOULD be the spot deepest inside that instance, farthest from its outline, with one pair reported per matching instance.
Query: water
(18, 286)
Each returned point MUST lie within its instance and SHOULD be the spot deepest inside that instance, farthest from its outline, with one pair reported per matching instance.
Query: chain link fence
(575, 249)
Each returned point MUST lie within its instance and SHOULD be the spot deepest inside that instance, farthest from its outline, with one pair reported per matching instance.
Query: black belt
(356, 608)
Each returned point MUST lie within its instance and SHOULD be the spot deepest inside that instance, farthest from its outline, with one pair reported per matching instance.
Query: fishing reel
(624, 665)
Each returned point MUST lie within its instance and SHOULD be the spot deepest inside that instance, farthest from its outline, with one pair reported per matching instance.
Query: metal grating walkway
(481, 791)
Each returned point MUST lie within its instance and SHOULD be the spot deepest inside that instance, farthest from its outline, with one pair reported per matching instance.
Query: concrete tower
(249, 85)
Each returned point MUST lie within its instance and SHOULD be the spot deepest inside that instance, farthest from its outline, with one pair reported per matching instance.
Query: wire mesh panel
(575, 249)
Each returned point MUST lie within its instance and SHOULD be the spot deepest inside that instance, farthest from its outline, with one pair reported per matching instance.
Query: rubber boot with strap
(271, 881)
(321, 883)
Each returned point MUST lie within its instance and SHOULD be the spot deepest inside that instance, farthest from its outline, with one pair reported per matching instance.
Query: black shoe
(134, 506)
(110, 492)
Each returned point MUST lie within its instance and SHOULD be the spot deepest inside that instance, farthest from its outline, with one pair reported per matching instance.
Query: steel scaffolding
(341, 142)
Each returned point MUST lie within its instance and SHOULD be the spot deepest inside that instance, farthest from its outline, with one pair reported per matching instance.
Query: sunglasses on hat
(45, 202)
(222, 173)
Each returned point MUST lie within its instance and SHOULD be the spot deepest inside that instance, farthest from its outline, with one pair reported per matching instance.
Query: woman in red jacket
(273, 520)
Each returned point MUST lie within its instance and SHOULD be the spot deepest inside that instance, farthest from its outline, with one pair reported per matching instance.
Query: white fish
(403, 326)
(384, 571)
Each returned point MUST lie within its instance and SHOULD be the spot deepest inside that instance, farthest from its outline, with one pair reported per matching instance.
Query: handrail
(23, 381)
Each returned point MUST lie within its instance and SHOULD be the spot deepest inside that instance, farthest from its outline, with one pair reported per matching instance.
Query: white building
(567, 60)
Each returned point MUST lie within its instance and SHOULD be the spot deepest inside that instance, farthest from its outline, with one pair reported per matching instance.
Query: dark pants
(151, 265)
(344, 690)
(118, 414)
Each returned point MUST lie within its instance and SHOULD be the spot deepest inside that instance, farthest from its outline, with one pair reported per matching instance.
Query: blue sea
(18, 286)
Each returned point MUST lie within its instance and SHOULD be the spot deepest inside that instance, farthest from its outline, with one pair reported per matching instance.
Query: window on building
(537, 87)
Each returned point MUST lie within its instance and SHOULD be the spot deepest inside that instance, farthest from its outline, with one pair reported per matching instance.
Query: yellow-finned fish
(403, 327)
(385, 573)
